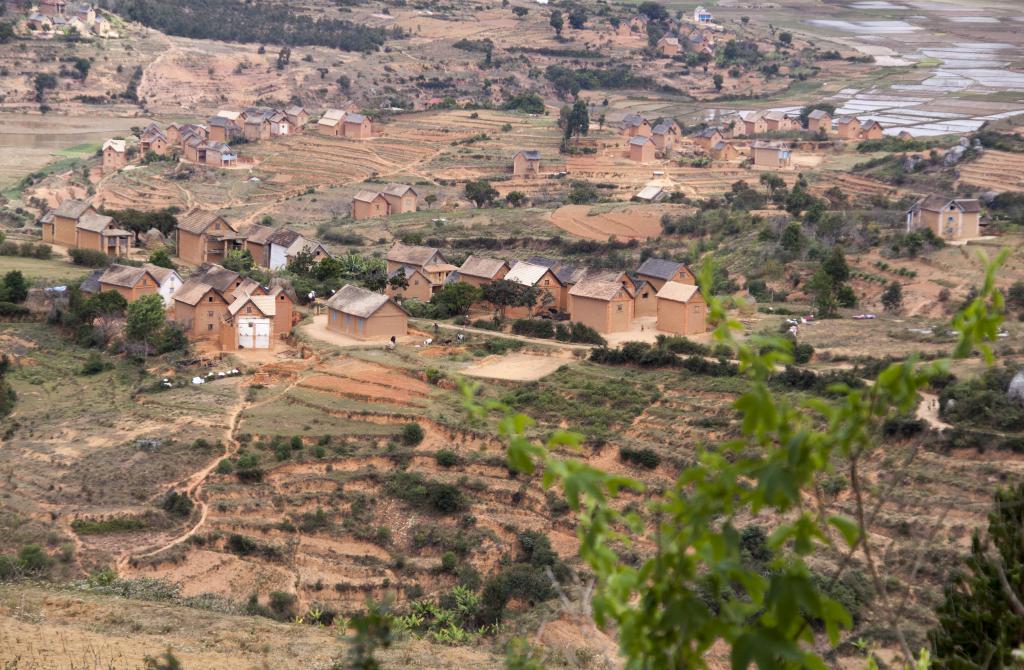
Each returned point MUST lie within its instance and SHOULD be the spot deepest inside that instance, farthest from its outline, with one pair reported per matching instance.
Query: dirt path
(427, 326)
(193, 485)
(928, 411)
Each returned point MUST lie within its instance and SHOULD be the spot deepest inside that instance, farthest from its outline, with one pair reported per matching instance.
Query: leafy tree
(165, 661)
(372, 633)
(481, 192)
(504, 294)
(582, 192)
(823, 289)
(792, 239)
(578, 17)
(835, 266)
(529, 103)
(162, 259)
(557, 22)
(241, 261)
(718, 80)
(700, 589)
(14, 288)
(6, 32)
(654, 11)
(520, 12)
(785, 39)
(456, 298)
(515, 198)
(892, 297)
(981, 621)
(42, 82)
(82, 66)
(398, 281)
(577, 121)
(823, 106)
(772, 182)
(146, 319)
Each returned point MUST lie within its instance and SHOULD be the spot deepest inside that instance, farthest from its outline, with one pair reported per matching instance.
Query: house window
(209, 326)
(209, 299)
(618, 308)
(334, 316)
(547, 282)
(646, 295)
(209, 313)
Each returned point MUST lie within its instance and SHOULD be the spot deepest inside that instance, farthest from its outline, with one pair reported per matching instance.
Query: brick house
(641, 149)
(723, 151)
(401, 198)
(368, 205)
(205, 237)
(663, 137)
(605, 306)
(59, 224)
(681, 309)
(480, 270)
(297, 116)
(529, 274)
(357, 127)
(201, 303)
(418, 285)
(634, 124)
(365, 315)
(948, 218)
(819, 121)
(155, 140)
(332, 123)
(771, 155)
(257, 241)
(848, 128)
(131, 282)
(658, 271)
(115, 155)
(526, 163)
(426, 258)
(222, 129)
(668, 46)
(219, 154)
(872, 130)
(100, 233)
(708, 137)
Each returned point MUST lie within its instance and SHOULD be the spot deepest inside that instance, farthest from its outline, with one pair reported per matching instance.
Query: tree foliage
(146, 319)
(697, 590)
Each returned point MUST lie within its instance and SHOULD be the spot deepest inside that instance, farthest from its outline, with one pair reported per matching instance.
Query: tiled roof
(216, 276)
(283, 237)
(366, 196)
(413, 255)
(265, 303)
(192, 291)
(116, 145)
(481, 266)
(398, 190)
(597, 289)
(677, 291)
(937, 203)
(258, 234)
(357, 301)
(123, 275)
(197, 221)
(71, 209)
(93, 222)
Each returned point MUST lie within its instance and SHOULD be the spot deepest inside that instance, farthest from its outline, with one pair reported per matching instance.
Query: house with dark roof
(848, 128)
(526, 163)
(76, 224)
(297, 116)
(658, 271)
(641, 149)
(223, 129)
(872, 130)
(663, 137)
(364, 315)
(206, 237)
(59, 223)
(707, 137)
(668, 46)
(633, 124)
(357, 126)
(948, 218)
(416, 256)
(155, 140)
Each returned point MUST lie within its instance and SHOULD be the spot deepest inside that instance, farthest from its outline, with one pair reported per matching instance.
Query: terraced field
(995, 171)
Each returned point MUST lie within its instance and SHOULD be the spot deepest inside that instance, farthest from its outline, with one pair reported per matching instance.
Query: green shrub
(114, 525)
(90, 258)
(33, 559)
(802, 353)
(177, 504)
(94, 364)
(412, 434)
(10, 310)
(241, 545)
(646, 458)
(449, 562)
(446, 458)
(542, 328)
(427, 494)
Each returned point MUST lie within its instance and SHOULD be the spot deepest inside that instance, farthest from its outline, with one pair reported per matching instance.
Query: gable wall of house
(191, 247)
(369, 210)
(680, 318)
(202, 322)
(87, 239)
(645, 302)
(64, 230)
(146, 286)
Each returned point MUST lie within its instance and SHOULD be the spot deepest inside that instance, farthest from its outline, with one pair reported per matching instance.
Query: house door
(246, 334)
(261, 334)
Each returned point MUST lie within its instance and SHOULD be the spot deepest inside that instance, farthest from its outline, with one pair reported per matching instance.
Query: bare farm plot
(515, 367)
(638, 222)
(996, 171)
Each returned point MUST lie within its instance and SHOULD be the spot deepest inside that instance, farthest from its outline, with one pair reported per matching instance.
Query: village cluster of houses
(50, 17)
(606, 300)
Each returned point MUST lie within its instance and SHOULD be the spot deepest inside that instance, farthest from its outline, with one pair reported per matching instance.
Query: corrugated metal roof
(639, 140)
(530, 154)
(525, 273)
(659, 268)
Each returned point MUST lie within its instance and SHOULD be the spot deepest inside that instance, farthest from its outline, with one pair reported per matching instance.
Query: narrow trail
(193, 486)
(928, 411)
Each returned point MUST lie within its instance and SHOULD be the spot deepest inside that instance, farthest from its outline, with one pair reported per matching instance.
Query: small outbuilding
(681, 309)
(526, 163)
(115, 155)
(641, 149)
(605, 306)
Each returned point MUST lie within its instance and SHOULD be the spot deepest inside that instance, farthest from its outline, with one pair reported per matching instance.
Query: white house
(168, 279)
(701, 15)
